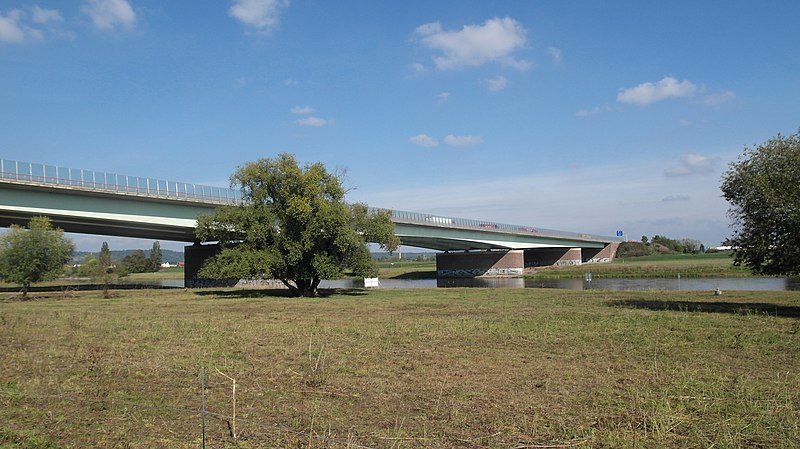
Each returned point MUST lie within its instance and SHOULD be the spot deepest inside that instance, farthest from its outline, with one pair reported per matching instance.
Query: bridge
(93, 202)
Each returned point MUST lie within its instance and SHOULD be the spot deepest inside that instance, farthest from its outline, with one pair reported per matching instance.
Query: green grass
(662, 265)
(407, 269)
(162, 274)
(439, 368)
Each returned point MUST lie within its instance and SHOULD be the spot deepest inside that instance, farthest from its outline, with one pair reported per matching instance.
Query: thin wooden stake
(203, 404)
(233, 416)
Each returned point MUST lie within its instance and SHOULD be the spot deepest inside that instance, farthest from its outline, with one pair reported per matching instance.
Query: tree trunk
(308, 287)
(303, 287)
(292, 288)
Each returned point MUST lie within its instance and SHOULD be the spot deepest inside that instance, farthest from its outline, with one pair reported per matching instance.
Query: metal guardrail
(136, 185)
(468, 223)
(112, 182)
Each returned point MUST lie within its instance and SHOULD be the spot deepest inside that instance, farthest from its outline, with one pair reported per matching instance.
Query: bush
(633, 249)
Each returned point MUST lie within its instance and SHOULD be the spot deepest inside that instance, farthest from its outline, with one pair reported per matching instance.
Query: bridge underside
(471, 253)
(516, 262)
(111, 227)
(454, 239)
(101, 214)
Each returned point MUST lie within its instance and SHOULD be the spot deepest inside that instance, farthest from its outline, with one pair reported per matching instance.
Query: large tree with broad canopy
(293, 225)
(763, 187)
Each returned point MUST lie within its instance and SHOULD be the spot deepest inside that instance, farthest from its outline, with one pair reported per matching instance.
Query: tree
(763, 188)
(101, 269)
(32, 255)
(136, 262)
(293, 225)
(690, 245)
(105, 255)
(154, 261)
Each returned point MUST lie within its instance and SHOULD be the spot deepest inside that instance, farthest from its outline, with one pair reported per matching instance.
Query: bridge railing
(468, 223)
(113, 182)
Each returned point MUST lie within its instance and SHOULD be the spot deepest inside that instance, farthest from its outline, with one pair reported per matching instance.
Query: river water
(642, 284)
(747, 283)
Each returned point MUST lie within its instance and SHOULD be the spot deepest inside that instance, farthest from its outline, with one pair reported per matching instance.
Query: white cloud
(692, 164)
(417, 67)
(314, 122)
(423, 140)
(594, 110)
(717, 99)
(15, 25)
(290, 82)
(647, 93)
(110, 14)
(474, 45)
(10, 28)
(262, 15)
(462, 141)
(497, 83)
(442, 97)
(555, 54)
(41, 15)
(302, 110)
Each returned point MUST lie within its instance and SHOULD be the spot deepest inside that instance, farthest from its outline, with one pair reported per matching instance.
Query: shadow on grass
(86, 287)
(710, 307)
(277, 293)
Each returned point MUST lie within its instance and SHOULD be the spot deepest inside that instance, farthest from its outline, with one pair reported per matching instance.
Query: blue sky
(585, 116)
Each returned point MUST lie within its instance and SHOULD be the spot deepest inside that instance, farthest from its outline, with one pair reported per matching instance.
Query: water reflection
(614, 284)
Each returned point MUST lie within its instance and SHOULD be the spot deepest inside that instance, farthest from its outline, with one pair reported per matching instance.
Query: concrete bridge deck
(92, 202)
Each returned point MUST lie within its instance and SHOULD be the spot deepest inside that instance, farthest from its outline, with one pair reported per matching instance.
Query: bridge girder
(107, 213)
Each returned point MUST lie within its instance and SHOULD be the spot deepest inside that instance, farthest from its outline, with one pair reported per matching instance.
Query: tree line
(660, 244)
(135, 262)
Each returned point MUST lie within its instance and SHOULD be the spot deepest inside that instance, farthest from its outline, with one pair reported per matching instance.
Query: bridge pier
(545, 257)
(194, 256)
(597, 255)
(483, 263)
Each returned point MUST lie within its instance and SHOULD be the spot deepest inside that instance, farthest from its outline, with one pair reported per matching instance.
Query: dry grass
(402, 369)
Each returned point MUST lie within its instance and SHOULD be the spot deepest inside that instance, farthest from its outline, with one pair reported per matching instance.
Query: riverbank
(401, 368)
(657, 266)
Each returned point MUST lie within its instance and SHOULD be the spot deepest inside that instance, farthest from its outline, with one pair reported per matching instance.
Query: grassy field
(407, 269)
(442, 368)
(162, 274)
(662, 265)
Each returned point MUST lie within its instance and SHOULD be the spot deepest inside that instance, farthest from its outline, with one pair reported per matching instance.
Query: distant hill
(167, 255)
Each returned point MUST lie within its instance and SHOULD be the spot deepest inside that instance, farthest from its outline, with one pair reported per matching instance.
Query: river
(614, 284)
